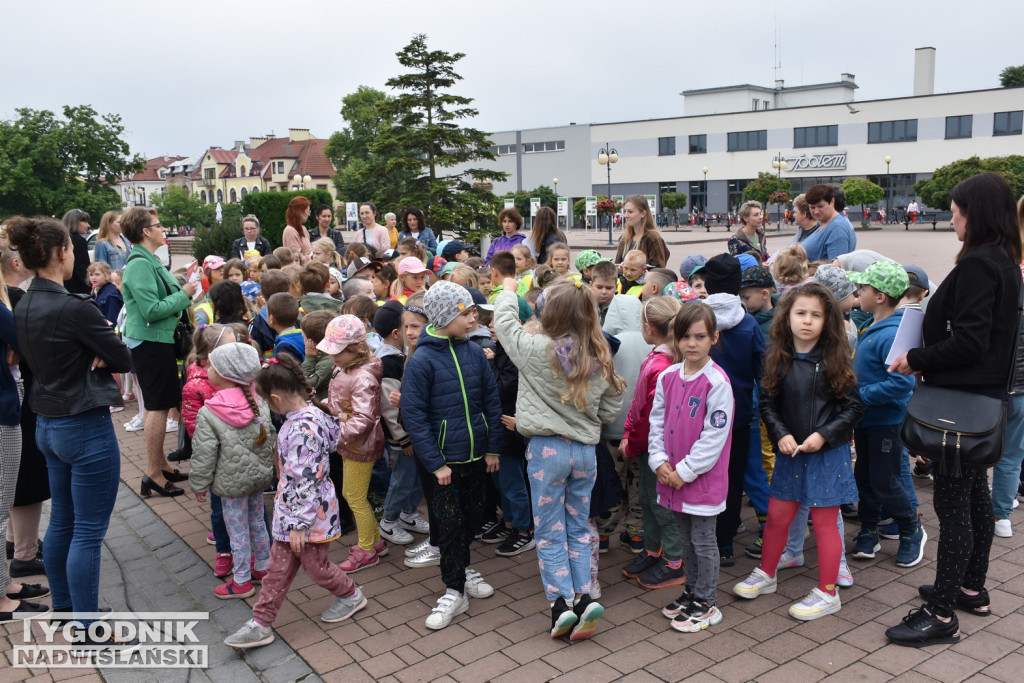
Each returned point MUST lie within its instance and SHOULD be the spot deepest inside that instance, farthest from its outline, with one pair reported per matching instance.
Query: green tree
(362, 173)
(934, 191)
(50, 164)
(764, 186)
(673, 201)
(270, 208)
(216, 238)
(427, 141)
(178, 208)
(862, 191)
(1012, 76)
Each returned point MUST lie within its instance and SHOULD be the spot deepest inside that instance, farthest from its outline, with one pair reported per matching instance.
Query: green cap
(887, 277)
(588, 258)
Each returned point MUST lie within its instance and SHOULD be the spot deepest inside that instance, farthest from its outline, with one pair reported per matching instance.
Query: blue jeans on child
(562, 475)
(83, 462)
(243, 518)
(755, 480)
(510, 480)
(404, 489)
(1006, 474)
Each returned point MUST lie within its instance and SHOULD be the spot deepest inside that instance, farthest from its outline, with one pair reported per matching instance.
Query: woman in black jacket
(969, 330)
(72, 351)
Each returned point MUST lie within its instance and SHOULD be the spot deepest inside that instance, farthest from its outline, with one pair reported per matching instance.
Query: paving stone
(724, 644)
(383, 664)
(1007, 669)
(793, 670)
(634, 657)
(324, 656)
(429, 669)
(743, 666)
(949, 666)
(534, 672)
(784, 647)
(291, 669)
(896, 660)
(595, 672)
(679, 664)
(484, 669)
(859, 671)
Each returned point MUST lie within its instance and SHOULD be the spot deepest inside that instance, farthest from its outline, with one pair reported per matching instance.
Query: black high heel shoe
(149, 486)
(174, 476)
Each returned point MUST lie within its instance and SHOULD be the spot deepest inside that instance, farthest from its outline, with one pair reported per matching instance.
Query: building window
(754, 106)
(244, 192)
(321, 187)
(1008, 123)
(892, 131)
(209, 173)
(241, 171)
(698, 144)
(550, 146)
(816, 136)
(666, 147)
(280, 167)
(959, 126)
(220, 196)
(232, 197)
(503, 150)
(255, 188)
(747, 140)
(202, 195)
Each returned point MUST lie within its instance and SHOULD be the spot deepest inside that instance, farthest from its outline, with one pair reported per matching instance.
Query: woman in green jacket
(153, 300)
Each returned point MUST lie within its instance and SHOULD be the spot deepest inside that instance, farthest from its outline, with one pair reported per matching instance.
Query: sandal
(978, 605)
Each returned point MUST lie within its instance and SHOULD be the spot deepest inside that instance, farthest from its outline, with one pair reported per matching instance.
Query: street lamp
(704, 209)
(559, 219)
(778, 163)
(301, 181)
(606, 157)
(888, 194)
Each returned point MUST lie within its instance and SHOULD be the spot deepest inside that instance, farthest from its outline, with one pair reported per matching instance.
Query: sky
(192, 74)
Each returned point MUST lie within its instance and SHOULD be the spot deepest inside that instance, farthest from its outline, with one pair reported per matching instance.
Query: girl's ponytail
(261, 438)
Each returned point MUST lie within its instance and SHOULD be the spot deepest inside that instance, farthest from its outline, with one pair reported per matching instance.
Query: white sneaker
(391, 531)
(427, 558)
(172, 426)
(1003, 528)
(136, 424)
(414, 523)
(754, 585)
(476, 587)
(116, 409)
(448, 607)
(1016, 503)
(413, 551)
(817, 604)
(595, 589)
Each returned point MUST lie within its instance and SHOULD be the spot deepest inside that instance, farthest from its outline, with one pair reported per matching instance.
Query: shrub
(270, 208)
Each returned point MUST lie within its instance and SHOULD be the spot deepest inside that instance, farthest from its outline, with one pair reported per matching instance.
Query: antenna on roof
(778, 50)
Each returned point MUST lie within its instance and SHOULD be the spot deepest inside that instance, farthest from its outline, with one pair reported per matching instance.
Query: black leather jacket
(804, 404)
(60, 334)
(239, 247)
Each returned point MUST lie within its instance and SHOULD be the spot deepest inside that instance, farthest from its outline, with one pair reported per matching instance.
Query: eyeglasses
(156, 225)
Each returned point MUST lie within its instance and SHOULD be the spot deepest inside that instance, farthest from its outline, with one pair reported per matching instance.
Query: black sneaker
(515, 543)
(497, 533)
(978, 605)
(679, 605)
(639, 565)
(20, 568)
(923, 470)
(485, 527)
(921, 628)
(562, 618)
(754, 549)
(849, 510)
(662, 576)
(726, 558)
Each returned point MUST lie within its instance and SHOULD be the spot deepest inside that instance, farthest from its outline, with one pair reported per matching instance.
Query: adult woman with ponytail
(72, 351)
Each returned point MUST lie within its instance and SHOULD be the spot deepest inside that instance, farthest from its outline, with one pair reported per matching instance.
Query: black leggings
(729, 521)
(429, 483)
(457, 508)
(964, 507)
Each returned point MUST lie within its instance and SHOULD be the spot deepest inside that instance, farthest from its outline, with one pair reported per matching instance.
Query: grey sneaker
(250, 635)
(136, 424)
(415, 550)
(343, 608)
(427, 558)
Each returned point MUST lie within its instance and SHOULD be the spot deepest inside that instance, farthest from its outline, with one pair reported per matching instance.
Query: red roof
(309, 154)
(152, 168)
(222, 156)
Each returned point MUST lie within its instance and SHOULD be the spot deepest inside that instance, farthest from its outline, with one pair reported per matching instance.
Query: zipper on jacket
(814, 386)
(465, 401)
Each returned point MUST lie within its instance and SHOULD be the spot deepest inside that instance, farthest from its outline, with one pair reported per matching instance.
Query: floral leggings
(562, 474)
(247, 530)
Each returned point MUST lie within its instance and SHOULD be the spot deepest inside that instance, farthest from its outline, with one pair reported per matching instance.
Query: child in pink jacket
(691, 432)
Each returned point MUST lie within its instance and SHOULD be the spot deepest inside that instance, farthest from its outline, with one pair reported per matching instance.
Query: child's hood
(869, 327)
(385, 350)
(231, 406)
(623, 315)
(728, 310)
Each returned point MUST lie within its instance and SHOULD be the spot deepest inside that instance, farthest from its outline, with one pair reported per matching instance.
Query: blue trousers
(510, 481)
(755, 479)
(1006, 474)
(404, 489)
(83, 462)
(562, 475)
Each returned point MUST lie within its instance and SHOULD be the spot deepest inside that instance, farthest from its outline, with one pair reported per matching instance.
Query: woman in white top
(374, 234)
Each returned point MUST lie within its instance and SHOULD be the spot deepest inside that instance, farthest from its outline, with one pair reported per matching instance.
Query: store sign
(826, 161)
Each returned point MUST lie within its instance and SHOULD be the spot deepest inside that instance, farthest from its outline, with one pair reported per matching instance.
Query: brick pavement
(504, 638)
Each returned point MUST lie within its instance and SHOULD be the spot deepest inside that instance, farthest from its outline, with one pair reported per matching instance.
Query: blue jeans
(879, 481)
(510, 480)
(1006, 474)
(380, 478)
(84, 465)
(404, 489)
(562, 475)
(755, 480)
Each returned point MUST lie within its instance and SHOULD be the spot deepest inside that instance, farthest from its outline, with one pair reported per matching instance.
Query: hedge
(271, 207)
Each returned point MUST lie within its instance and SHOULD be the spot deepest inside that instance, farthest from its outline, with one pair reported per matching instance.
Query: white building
(730, 134)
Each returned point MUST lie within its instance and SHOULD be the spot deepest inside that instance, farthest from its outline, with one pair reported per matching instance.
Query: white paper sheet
(908, 335)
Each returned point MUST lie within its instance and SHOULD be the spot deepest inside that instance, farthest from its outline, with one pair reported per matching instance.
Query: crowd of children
(535, 407)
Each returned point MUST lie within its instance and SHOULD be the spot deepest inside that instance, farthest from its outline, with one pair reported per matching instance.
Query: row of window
(905, 130)
(530, 147)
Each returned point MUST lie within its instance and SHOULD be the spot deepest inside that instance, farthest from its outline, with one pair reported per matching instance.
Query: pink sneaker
(210, 539)
(229, 590)
(223, 565)
(258, 576)
(381, 548)
(358, 560)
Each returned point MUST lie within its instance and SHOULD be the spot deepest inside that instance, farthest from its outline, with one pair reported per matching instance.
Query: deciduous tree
(1012, 76)
(761, 189)
(934, 191)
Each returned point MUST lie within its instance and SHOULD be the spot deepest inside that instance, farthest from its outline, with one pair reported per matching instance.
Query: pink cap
(213, 262)
(341, 333)
(411, 264)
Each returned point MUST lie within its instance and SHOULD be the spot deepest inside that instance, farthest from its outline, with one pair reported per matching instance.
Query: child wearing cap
(884, 395)
(450, 409)
(697, 279)
(233, 456)
(757, 292)
(454, 250)
(834, 279)
(354, 398)
(919, 288)
(585, 262)
(412, 277)
(633, 267)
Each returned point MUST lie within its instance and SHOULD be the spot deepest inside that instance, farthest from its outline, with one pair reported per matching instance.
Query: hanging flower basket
(778, 198)
(607, 207)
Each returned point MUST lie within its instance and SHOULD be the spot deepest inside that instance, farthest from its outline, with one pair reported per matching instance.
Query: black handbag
(955, 428)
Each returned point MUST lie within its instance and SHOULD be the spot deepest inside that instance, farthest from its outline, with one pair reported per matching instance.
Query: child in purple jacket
(691, 433)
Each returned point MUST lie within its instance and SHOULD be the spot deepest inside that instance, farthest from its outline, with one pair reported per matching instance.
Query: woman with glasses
(250, 239)
(153, 300)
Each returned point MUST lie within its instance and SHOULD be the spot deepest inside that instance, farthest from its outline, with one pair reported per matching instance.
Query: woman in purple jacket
(511, 223)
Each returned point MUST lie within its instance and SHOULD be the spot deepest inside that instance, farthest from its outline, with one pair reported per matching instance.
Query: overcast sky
(191, 74)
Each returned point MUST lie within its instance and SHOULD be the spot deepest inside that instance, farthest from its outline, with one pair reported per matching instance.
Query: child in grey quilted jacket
(233, 456)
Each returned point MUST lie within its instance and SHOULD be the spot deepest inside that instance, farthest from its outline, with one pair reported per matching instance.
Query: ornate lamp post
(301, 181)
(778, 163)
(704, 209)
(606, 157)
(888, 194)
